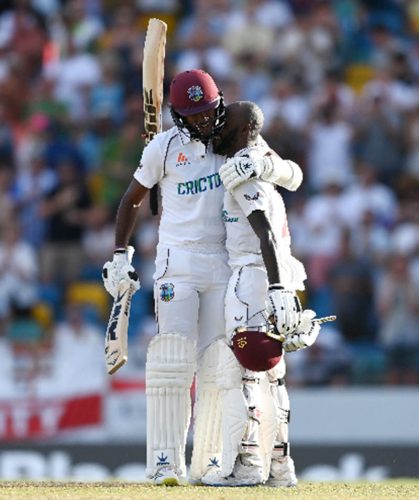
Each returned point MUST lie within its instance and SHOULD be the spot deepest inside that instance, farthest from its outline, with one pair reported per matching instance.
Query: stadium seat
(369, 364)
(92, 294)
(357, 75)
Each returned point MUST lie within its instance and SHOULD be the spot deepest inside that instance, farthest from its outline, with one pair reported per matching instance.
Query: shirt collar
(185, 136)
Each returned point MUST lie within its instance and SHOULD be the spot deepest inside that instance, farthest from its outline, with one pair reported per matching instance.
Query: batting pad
(170, 367)
(207, 446)
(234, 407)
(281, 404)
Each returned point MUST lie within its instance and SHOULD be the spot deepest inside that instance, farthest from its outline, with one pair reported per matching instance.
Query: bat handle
(281, 336)
(325, 319)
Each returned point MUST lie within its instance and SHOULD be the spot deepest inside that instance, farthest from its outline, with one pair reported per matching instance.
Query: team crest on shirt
(167, 292)
(195, 93)
(254, 197)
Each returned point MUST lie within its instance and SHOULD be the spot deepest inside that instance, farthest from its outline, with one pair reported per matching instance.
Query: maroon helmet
(192, 92)
(256, 351)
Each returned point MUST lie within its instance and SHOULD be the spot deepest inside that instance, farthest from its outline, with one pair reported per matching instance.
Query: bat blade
(153, 74)
(116, 341)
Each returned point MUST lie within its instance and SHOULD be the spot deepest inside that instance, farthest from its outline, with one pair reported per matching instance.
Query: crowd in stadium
(338, 82)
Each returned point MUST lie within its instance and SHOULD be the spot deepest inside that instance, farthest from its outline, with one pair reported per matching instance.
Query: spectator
(76, 344)
(6, 192)
(18, 270)
(368, 194)
(107, 96)
(324, 224)
(378, 136)
(97, 241)
(329, 149)
(22, 32)
(64, 210)
(398, 310)
(31, 186)
(327, 362)
(351, 283)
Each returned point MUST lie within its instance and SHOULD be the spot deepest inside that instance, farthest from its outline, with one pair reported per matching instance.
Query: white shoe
(282, 473)
(247, 471)
(165, 476)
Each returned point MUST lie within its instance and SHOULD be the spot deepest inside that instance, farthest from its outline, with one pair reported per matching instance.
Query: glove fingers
(291, 315)
(281, 321)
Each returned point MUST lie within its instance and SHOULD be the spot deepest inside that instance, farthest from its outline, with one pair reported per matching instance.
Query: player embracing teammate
(191, 278)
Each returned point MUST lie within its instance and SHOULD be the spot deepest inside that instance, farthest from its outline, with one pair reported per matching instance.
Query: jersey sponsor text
(200, 185)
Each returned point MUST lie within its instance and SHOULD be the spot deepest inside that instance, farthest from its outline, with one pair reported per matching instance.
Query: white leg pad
(170, 368)
(207, 444)
(282, 469)
(234, 406)
(282, 406)
(273, 413)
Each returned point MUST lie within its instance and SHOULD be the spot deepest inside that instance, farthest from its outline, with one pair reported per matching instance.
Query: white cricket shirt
(242, 243)
(191, 189)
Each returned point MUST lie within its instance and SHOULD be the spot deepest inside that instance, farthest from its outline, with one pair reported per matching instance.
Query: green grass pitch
(121, 491)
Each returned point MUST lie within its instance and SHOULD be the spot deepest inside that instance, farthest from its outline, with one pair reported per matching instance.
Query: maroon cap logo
(195, 93)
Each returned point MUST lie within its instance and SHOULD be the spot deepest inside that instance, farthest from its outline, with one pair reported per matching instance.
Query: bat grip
(281, 336)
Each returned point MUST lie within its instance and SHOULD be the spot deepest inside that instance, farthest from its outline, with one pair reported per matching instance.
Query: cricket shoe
(247, 471)
(213, 467)
(165, 476)
(282, 473)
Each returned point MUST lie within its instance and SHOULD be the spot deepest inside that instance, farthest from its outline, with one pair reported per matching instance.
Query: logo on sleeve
(140, 166)
(254, 197)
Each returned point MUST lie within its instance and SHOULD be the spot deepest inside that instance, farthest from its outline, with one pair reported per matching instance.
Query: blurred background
(338, 81)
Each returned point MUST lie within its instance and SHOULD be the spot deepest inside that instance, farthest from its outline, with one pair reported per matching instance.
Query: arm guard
(284, 173)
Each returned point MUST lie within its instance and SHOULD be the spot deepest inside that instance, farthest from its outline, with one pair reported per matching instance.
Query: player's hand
(285, 308)
(239, 169)
(120, 269)
(305, 335)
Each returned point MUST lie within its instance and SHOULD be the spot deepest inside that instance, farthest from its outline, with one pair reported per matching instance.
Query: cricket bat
(116, 340)
(153, 73)
(116, 343)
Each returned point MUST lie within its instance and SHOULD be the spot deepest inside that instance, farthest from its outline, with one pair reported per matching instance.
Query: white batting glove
(239, 169)
(285, 307)
(305, 335)
(270, 168)
(120, 269)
